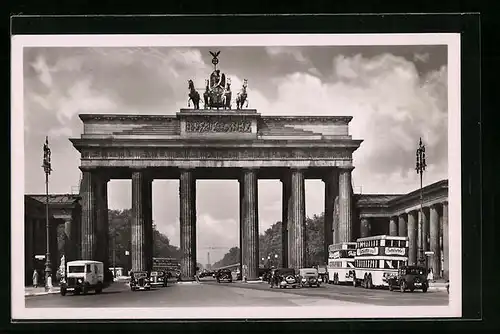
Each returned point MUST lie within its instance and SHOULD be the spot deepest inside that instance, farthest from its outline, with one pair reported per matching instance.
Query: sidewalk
(40, 291)
(437, 286)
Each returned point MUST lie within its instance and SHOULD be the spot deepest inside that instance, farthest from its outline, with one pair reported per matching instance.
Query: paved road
(209, 293)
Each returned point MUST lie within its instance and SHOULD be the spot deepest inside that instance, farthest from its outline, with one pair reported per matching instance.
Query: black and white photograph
(236, 176)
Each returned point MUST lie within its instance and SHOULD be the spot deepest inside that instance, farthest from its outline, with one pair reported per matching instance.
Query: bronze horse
(242, 96)
(206, 95)
(227, 95)
(193, 95)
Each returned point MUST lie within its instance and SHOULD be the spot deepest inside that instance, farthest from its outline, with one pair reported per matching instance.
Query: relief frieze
(179, 153)
(219, 126)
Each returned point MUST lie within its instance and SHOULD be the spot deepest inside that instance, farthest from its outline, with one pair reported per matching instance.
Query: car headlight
(63, 280)
(303, 280)
(80, 280)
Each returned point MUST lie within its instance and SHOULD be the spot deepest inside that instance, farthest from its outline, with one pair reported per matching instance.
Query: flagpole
(47, 169)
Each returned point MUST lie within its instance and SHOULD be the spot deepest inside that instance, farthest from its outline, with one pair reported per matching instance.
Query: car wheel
(369, 283)
(76, 292)
(354, 283)
(63, 292)
(424, 288)
(98, 289)
(85, 290)
(390, 287)
(412, 289)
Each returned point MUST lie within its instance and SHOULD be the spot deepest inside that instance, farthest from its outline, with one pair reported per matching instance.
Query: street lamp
(420, 168)
(47, 168)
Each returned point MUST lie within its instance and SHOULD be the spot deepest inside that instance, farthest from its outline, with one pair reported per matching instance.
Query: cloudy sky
(395, 93)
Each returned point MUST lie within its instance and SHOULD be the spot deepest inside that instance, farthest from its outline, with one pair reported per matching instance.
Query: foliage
(231, 257)
(270, 245)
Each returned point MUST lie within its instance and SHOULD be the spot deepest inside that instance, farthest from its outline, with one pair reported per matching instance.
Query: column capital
(444, 202)
(344, 169)
(250, 169)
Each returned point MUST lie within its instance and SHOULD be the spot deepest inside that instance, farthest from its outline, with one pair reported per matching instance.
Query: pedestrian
(35, 278)
(430, 276)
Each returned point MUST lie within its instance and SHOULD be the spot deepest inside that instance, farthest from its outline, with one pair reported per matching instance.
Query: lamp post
(420, 168)
(47, 168)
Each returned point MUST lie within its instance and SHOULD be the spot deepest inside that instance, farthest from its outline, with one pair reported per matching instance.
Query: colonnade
(94, 224)
(427, 230)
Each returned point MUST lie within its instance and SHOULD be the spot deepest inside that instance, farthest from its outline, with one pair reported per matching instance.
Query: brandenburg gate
(216, 142)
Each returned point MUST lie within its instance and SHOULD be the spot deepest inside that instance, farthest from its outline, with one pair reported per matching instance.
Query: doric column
(286, 195)
(412, 236)
(434, 241)
(393, 226)
(28, 248)
(54, 249)
(240, 184)
(250, 232)
(296, 221)
(446, 250)
(187, 192)
(138, 228)
(345, 207)
(365, 227)
(423, 230)
(402, 230)
(69, 240)
(102, 224)
(88, 224)
(331, 181)
(148, 219)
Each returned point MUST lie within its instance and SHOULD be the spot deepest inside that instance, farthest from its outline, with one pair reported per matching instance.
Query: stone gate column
(393, 226)
(446, 249)
(250, 232)
(402, 229)
(28, 248)
(69, 240)
(365, 227)
(412, 236)
(138, 224)
(434, 241)
(102, 224)
(88, 224)
(148, 219)
(187, 192)
(345, 207)
(422, 233)
(54, 249)
(331, 181)
(297, 220)
(286, 195)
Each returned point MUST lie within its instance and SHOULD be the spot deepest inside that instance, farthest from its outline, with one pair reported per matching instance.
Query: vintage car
(409, 278)
(309, 277)
(83, 276)
(140, 280)
(224, 275)
(323, 273)
(284, 277)
(158, 278)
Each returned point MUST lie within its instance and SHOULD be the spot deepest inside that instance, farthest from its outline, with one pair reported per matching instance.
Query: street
(212, 294)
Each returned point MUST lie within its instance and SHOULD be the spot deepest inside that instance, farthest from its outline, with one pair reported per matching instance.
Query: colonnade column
(69, 240)
(139, 224)
(423, 232)
(331, 192)
(446, 250)
(345, 205)
(53, 249)
(434, 241)
(412, 236)
(250, 220)
(187, 192)
(402, 228)
(28, 248)
(88, 242)
(286, 195)
(393, 226)
(297, 220)
(148, 218)
(365, 227)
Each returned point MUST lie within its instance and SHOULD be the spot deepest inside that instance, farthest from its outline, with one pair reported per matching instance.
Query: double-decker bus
(341, 262)
(378, 258)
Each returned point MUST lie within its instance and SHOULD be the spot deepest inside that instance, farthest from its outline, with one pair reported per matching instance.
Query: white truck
(83, 276)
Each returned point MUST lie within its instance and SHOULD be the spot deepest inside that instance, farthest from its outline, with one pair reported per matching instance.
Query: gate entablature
(194, 138)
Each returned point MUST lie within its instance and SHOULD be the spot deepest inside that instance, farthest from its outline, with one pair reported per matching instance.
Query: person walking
(35, 278)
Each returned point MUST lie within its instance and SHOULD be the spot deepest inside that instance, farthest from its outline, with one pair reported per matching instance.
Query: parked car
(83, 276)
(409, 278)
(283, 278)
(140, 280)
(158, 278)
(309, 277)
(224, 275)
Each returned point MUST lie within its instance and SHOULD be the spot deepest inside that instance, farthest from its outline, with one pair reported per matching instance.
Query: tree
(231, 257)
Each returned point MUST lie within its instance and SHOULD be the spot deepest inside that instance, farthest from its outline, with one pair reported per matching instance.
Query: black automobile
(284, 277)
(409, 278)
(140, 280)
(224, 275)
(158, 278)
